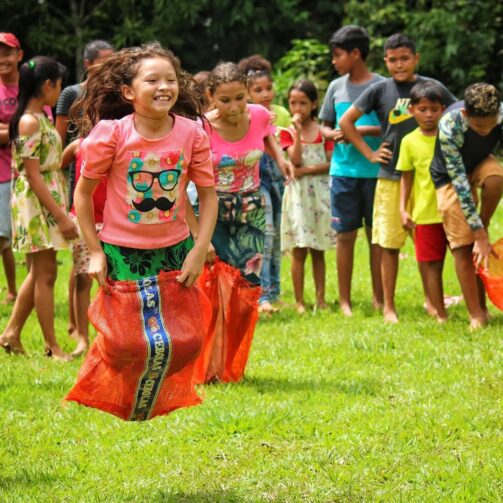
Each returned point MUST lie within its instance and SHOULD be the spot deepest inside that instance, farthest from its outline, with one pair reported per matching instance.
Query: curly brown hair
(102, 96)
(255, 67)
(223, 74)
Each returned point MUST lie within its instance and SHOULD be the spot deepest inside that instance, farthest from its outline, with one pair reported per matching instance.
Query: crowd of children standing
(398, 156)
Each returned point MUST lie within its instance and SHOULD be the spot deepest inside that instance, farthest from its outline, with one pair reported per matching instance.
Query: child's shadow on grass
(350, 386)
(195, 497)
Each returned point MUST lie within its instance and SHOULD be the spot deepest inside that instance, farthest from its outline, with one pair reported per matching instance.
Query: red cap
(10, 40)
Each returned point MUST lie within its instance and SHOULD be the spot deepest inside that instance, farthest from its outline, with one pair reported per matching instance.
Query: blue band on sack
(159, 350)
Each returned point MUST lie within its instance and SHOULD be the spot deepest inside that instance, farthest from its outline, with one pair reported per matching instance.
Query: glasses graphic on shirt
(142, 181)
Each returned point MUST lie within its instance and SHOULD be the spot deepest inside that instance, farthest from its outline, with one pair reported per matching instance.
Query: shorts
(133, 264)
(80, 254)
(352, 202)
(457, 230)
(430, 242)
(387, 230)
(5, 211)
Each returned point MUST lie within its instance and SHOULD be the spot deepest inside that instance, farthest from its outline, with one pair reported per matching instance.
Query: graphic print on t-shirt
(153, 186)
(238, 173)
(400, 111)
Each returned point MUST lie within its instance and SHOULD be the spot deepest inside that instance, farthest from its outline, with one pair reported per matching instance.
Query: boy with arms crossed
(390, 99)
(469, 133)
(416, 152)
(353, 176)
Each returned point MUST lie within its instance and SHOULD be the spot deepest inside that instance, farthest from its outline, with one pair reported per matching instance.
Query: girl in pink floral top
(239, 134)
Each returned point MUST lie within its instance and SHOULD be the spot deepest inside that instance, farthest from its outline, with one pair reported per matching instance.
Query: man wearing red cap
(10, 57)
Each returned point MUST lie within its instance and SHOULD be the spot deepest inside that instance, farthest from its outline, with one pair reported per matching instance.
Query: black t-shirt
(390, 100)
(473, 151)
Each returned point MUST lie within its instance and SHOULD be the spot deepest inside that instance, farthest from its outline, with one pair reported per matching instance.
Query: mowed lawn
(331, 409)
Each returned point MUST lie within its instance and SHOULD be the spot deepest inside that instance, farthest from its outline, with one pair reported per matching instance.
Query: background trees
(461, 41)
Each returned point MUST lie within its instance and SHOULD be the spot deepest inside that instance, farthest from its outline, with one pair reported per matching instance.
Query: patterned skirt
(239, 234)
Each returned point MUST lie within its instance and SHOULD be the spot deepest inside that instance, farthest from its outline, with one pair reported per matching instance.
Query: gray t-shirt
(346, 159)
(390, 99)
(65, 102)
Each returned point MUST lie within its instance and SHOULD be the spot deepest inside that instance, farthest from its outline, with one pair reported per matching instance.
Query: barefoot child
(80, 254)
(469, 134)
(261, 92)
(353, 177)
(41, 224)
(390, 100)
(305, 219)
(416, 152)
(148, 148)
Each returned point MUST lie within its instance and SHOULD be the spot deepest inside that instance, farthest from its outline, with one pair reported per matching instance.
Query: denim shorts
(352, 202)
(5, 212)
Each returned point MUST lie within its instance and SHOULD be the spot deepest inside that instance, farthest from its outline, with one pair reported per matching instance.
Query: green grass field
(331, 409)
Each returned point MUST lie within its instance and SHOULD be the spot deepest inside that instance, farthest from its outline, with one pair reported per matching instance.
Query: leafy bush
(307, 59)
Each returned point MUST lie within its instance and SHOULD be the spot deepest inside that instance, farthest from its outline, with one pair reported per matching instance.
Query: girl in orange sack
(148, 145)
(41, 225)
(239, 134)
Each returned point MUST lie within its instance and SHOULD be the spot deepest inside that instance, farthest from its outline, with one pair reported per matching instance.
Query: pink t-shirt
(236, 163)
(145, 205)
(8, 105)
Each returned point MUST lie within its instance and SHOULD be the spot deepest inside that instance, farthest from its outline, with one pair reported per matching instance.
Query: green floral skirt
(240, 231)
(125, 264)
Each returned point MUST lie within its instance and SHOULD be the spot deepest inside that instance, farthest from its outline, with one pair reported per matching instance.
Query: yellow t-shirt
(416, 153)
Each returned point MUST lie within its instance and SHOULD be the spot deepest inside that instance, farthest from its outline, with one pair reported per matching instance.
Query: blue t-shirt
(346, 159)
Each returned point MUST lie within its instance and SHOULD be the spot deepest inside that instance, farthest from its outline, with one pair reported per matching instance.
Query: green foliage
(307, 59)
(460, 41)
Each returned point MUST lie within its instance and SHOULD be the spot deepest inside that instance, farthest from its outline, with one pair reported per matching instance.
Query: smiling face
(261, 91)
(427, 114)
(154, 89)
(230, 99)
(9, 60)
(300, 104)
(401, 63)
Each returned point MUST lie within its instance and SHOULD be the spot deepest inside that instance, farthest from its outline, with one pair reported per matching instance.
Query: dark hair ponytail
(32, 75)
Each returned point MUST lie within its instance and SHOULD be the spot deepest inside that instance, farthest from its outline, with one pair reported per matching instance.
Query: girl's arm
(84, 208)
(69, 153)
(28, 125)
(405, 188)
(273, 148)
(353, 135)
(193, 264)
(193, 224)
(295, 151)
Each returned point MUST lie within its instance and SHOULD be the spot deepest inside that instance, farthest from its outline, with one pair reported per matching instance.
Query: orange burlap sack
(141, 363)
(493, 276)
(227, 343)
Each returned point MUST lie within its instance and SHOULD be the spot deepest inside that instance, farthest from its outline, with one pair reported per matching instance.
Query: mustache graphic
(162, 203)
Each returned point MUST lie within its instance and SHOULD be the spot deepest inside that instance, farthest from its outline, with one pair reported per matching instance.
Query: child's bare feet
(10, 298)
(73, 332)
(57, 354)
(301, 308)
(477, 323)
(267, 308)
(346, 309)
(390, 316)
(441, 319)
(82, 347)
(12, 345)
(377, 305)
